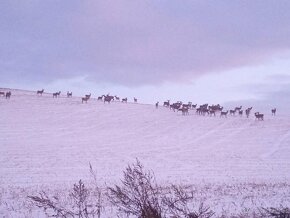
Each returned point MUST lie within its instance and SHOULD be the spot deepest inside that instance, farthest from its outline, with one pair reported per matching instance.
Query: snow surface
(49, 141)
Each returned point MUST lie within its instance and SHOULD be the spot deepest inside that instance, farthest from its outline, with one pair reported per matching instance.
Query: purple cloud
(137, 42)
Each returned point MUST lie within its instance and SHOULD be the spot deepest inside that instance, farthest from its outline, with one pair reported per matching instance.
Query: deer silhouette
(40, 92)
(69, 94)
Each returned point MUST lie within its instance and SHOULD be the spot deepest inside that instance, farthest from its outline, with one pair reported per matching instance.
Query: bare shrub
(81, 205)
(139, 195)
(180, 204)
(97, 192)
(282, 212)
(51, 206)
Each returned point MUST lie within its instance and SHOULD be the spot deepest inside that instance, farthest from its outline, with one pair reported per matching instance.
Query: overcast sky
(203, 51)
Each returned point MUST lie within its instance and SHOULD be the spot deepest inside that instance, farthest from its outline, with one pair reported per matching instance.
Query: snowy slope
(44, 140)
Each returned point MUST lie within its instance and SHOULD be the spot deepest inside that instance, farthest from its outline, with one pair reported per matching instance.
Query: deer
(69, 94)
(241, 113)
(175, 106)
(248, 111)
(54, 95)
(232, 112)
(135, 100)
(88, 96)
(238, 108)
(193, 106)
(40, 92)
(2, 93)
(85, 99)
(212, 112)
(166, 103)
(124, 100)
(8, 94)
(224, 113)
(108, 98)
(274, 112)
(156, 105)
(259, 116)
(184, 110)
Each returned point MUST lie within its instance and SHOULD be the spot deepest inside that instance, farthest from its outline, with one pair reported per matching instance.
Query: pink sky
(173, 48)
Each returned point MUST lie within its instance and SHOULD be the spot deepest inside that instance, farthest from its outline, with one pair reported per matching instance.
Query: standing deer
(259, 116)
(40, 92)
(124, 100)
(8, 94)
(248, 111)
(224, 113)
(232, 112)
(88, 96)
(85, 99)
(274, 112)
(2, 93)
(156, 105)
(212, 112)
(184, 110)
(108, 98)
(54, 95)
(238, 108)
(166, 103)
(69, 94)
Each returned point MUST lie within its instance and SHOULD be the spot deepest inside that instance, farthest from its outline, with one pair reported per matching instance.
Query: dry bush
(282, 212)
(179, 202)
(81, 205)
(138, 194)
(97, 193)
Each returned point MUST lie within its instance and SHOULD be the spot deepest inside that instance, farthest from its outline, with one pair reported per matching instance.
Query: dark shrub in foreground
(138, 194)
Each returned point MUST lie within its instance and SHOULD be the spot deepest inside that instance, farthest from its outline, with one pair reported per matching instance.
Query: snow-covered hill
(235, 165)
(48, 140)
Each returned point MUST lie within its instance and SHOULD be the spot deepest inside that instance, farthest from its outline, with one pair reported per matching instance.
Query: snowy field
(49, 142)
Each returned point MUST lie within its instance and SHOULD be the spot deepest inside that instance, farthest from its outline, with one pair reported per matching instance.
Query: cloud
(135, 43)
(274, 92)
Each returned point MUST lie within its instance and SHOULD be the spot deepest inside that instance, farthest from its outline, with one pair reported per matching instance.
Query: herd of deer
(177, 106)
(210, 110)
(105, 98)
